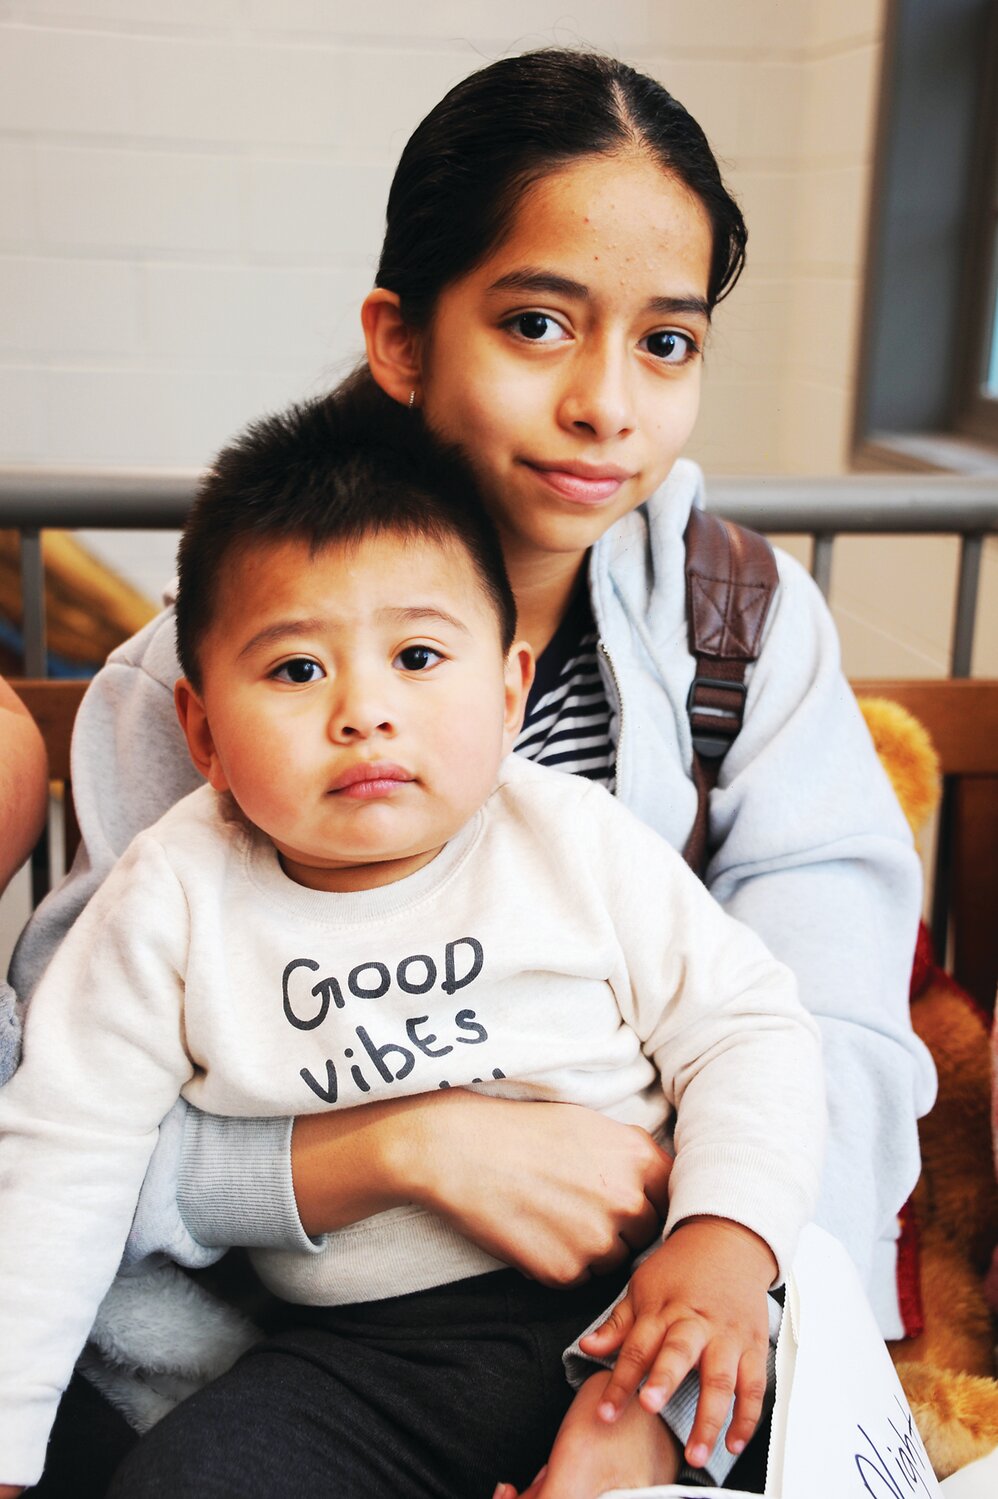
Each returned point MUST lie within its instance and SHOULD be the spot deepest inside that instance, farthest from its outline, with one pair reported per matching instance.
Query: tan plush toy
(951, 1226)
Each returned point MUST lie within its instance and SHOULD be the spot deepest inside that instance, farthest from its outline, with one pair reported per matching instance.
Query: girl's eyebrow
(539, 282)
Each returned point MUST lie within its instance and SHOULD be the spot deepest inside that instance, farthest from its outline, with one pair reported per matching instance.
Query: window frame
(975, 413)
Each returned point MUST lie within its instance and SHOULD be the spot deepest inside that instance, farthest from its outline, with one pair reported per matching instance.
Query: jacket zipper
(620, 710)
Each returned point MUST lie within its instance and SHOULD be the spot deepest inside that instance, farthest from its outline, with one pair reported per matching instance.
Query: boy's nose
(347, 727)
(359, 713)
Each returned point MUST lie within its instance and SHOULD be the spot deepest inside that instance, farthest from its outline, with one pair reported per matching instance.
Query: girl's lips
(584, 487)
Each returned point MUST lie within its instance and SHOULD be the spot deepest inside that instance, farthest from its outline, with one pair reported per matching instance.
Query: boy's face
(355, 702)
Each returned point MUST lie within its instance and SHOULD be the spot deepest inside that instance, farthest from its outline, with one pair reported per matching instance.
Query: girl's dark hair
(466, 167)
(349, 466)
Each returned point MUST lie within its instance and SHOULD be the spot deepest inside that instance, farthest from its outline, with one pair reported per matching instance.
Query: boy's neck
(351, 878)
(543, 585)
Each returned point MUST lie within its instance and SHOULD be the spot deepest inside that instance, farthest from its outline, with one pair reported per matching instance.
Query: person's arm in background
(23, 783)
(23, 799)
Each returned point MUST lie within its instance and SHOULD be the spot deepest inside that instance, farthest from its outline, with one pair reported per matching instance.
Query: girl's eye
(671, 347)
(417, 657)
(299, 671)
(537, 327)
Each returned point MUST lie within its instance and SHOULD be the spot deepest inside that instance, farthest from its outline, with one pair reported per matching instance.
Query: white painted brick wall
(194, 201)
(192, 196)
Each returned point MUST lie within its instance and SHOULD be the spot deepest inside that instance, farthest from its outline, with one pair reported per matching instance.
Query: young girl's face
(568, 364)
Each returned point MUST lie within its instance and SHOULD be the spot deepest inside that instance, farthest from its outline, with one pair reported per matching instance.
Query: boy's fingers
(680, 1350)
(612, 1332)
(750, 1392)
(634, 1359)
(718, 1376)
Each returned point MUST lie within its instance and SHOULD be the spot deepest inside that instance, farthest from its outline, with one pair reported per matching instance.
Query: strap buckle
(714, 738)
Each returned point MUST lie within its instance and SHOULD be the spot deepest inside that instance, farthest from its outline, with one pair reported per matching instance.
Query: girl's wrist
(418, 1150)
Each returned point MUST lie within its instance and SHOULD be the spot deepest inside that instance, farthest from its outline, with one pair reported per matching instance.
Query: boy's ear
(393, 348)
(197, 732)
(519, 674)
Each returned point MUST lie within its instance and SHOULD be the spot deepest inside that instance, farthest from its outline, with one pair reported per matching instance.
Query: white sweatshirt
(555, 949)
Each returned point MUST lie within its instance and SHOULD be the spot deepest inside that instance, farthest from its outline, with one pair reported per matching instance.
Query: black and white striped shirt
(567, 722)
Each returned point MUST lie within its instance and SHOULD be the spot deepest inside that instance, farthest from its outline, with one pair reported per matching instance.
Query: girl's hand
(555, 1190)
(10, 1490)
(700, 1299)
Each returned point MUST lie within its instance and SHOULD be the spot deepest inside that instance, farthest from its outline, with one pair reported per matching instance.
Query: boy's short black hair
(350, 465)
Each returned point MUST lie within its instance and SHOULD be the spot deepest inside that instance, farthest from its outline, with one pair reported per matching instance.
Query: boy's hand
(700, 1299)
(589, 1457)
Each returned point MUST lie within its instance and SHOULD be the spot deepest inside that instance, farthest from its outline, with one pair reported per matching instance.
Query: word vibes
(310, 1003)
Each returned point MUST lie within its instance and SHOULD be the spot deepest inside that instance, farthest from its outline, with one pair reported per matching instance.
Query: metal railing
(33, 499)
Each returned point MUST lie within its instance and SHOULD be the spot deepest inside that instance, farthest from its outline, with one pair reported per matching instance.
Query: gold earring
(412, 399)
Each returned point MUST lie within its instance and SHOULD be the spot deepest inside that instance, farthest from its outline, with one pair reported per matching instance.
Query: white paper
(849, 1432)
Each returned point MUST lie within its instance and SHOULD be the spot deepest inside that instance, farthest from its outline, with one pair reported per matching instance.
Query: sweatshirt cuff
(746, 1186)
(236, 1187)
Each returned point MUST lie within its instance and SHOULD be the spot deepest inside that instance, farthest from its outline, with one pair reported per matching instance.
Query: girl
(557, 238)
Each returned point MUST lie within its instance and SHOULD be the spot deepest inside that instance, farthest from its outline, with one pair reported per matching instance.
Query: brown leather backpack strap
(731, 579)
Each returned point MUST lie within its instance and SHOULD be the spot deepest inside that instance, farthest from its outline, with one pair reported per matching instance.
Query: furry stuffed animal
(948, 1368)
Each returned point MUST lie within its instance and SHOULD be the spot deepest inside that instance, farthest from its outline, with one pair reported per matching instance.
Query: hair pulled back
(468, 164)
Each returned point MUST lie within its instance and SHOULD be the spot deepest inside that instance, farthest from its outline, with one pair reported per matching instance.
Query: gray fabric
(10, 1033)
(249, 1194)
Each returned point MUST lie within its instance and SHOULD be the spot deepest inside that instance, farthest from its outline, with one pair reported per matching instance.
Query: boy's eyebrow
(412, 614)
(530, 279)
(284, 629)
(281, 630)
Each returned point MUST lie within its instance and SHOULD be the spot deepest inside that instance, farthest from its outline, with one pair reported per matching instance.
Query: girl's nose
(598, 398)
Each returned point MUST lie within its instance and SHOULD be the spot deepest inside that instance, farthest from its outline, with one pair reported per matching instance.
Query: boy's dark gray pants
(436, 1395)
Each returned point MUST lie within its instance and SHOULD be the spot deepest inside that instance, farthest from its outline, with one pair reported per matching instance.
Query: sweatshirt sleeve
(738, 1055)
(130, 765)
(104, 1059)
(813, 853)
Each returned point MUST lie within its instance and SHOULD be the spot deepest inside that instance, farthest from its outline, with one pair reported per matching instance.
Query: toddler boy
(371, 899)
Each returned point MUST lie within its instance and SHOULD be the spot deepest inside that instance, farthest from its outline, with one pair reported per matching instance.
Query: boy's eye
(299, 671)
(417, 657)
(671, 347)
(538, 327)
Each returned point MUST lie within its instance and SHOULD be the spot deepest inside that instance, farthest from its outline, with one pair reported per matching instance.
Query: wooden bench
(960, 716)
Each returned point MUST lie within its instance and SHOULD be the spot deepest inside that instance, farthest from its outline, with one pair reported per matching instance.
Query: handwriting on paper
(894, 1464)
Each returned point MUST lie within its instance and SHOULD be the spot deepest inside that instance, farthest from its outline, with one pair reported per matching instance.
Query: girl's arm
(814, 854)
(554, 1189)
(23, 783)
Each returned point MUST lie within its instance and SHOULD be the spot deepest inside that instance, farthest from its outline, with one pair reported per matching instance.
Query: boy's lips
(373, 779)
(585, 483)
